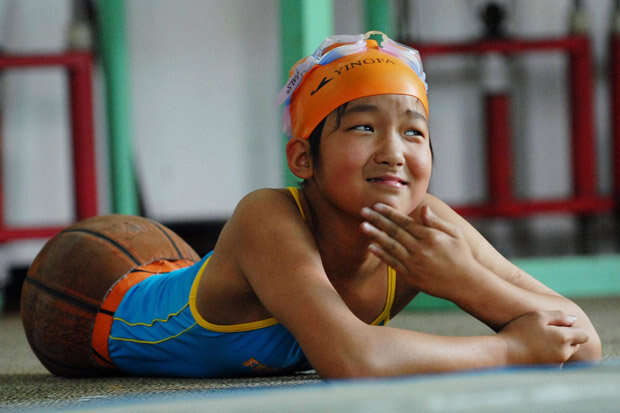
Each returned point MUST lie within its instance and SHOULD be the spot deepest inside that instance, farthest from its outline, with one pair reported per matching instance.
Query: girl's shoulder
(269, 201)
(266, 211)
(269, 194)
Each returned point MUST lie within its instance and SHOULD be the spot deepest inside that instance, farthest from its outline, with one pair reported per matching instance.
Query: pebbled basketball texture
(70, 276)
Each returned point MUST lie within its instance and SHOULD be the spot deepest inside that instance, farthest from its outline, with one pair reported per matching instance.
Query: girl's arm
(443, 255)
(278, 256)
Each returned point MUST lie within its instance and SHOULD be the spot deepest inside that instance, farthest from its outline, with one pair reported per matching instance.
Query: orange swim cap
(364, 68)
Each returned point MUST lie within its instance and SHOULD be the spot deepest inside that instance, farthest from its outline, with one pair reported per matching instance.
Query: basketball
(69, 278)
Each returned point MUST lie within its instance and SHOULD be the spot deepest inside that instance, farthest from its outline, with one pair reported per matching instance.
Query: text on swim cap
(350, 66)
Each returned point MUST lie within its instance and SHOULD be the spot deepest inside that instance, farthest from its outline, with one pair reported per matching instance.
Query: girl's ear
(299, 158)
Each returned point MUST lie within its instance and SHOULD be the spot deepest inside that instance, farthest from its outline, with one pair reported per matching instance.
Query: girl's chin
(399, 206)
(404, 208)
(400, 203)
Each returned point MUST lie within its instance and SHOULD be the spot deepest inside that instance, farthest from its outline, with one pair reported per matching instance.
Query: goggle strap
(344, 50)
(296, 79)
(319, 59)
(338, 38)
(287, 128)
(411, 57)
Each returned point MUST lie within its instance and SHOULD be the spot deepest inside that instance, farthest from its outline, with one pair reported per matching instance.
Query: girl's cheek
(421, 164)
(353, 157)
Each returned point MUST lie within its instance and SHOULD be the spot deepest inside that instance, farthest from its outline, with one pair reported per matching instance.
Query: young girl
(309, 277)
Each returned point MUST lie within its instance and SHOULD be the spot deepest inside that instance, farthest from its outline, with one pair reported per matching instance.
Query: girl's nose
(390, 150)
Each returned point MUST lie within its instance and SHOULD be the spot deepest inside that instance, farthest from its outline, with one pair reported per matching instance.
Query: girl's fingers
(392, 214)
(579, 336)
(387, 258)
(396, 225)
(560, 319)
(387, 243)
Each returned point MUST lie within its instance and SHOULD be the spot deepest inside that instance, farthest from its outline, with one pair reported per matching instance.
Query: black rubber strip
(64, 296)
(140, 269)
(110, 240)
(100, 357)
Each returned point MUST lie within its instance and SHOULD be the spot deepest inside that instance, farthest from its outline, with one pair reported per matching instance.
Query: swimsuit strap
(295, 192)
(389, 300)
(391, 293)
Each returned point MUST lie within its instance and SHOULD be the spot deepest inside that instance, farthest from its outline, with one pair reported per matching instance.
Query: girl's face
(379, 152)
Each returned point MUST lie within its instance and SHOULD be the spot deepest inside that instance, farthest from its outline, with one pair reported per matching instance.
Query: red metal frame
(614, 79)
(499, 166)
(501, 201)
(79, 68)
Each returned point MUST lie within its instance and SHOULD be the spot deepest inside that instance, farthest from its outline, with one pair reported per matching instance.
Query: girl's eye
(363, 128)
(413, 132)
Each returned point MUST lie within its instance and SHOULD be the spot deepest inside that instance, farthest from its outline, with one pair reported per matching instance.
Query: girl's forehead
(397, 103)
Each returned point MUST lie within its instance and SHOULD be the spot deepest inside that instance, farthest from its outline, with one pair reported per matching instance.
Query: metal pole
(378, 16)
(113, 48)
(304, 24)
(82, 132)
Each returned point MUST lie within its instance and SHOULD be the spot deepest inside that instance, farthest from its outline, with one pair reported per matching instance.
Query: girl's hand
(542, 337)
(430, 253)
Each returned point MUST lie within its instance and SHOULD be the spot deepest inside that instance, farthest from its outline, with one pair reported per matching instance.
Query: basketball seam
(105, 238)
(159, 227)
(69, 298)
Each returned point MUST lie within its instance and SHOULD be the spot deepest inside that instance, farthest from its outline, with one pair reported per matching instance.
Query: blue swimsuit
(157, 330)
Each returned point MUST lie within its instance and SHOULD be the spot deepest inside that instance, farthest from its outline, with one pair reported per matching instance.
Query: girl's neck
(342, 245)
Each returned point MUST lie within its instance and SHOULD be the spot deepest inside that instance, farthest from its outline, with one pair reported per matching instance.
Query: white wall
(204, 76)
(35, 123)
(36, 157)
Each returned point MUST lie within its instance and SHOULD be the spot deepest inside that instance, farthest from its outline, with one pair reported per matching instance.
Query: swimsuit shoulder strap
(295, 192)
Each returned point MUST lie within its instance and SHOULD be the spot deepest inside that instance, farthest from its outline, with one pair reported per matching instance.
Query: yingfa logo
(324, 81)
(348, 67)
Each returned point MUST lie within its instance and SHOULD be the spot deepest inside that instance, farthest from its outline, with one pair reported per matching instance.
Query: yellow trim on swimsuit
(295, 192)
(221, 328)
(385, 315)
(156, 320)
(163, 340)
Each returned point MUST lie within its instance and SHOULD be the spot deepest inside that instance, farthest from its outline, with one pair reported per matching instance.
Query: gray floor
(584, 389)
(24, 382)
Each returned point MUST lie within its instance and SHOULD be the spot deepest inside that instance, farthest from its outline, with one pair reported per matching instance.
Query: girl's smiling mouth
(390, 180)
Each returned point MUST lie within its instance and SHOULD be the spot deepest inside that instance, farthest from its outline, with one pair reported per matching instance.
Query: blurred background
(168, 109)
